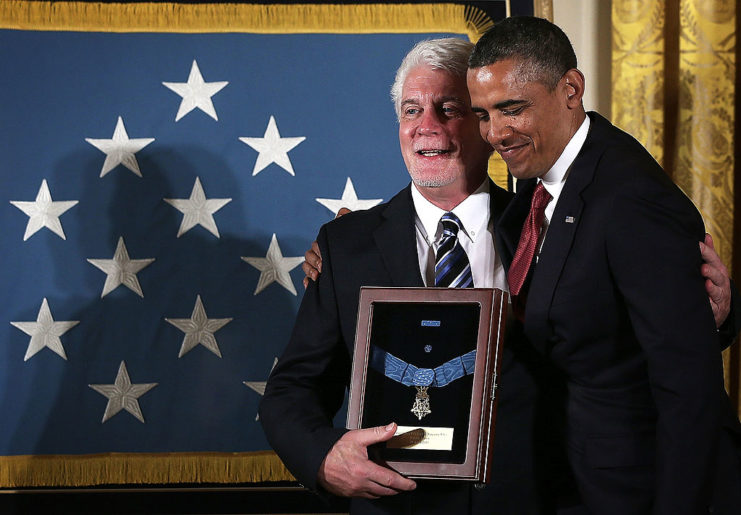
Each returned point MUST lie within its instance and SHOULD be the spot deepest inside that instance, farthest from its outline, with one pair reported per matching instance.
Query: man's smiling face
(438, 132)
(525, 121)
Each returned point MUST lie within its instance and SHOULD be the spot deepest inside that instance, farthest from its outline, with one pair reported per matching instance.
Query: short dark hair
(544, 50)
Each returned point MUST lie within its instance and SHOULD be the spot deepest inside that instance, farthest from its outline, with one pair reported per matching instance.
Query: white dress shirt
(476, 237)
(555, 178)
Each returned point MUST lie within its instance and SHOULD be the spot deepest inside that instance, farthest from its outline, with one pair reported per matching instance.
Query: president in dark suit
(602, 259)
(394, 244)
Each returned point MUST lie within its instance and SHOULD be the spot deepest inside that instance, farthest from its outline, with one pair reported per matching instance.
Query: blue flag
(160, 191)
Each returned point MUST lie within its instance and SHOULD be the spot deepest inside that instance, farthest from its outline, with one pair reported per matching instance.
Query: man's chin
(429, 179)
(433, 182)
(520, 172)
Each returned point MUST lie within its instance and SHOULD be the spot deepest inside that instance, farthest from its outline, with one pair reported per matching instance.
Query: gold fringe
(264, 19)
(140, 469)
(477, 21)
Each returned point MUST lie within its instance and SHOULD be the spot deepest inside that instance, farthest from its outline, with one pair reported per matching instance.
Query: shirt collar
(469, 212)
(555, 178)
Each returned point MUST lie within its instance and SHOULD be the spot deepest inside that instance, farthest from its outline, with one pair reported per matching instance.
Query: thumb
(376, 434)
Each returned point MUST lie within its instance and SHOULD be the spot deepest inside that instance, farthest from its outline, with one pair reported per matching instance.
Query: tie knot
(541, 197)
(451, 224)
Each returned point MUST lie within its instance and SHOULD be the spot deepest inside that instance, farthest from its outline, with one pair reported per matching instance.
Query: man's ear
(573, 81)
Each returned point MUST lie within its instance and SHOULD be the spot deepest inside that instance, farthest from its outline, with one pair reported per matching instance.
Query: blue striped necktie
(452, 268)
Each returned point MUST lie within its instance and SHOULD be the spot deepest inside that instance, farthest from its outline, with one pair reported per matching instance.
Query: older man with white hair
(394, 244)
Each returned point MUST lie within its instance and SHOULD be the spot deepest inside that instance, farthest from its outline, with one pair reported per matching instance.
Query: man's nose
(498, 133)
(430, 122)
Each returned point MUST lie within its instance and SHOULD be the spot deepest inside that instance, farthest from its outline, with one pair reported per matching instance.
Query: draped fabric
(294, 91)
(673, 88)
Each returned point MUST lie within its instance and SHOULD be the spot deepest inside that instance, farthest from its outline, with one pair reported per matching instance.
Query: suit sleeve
(653, 254)
(307, 386)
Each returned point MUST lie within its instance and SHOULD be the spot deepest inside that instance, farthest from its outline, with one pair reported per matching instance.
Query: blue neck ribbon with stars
(411, 375)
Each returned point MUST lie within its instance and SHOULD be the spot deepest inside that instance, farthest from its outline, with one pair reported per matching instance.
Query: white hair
(449, 54)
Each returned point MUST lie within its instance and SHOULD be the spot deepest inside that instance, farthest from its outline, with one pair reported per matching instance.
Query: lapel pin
(570, 219)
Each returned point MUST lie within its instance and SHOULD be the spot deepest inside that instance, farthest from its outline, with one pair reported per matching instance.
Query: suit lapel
(559, 238)
(396, 240)
(499, 200)
(509, 226)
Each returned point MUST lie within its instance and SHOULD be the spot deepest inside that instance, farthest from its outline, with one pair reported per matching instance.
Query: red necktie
(528, 240)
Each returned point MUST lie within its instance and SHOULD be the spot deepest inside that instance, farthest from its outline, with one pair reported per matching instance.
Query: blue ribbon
(410, 375)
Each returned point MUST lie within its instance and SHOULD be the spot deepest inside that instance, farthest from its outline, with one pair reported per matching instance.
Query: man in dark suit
(394, 244)
(391, 245)
(615, 302)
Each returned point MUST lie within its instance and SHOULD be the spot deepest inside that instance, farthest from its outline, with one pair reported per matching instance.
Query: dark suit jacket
(377, 247)
(729, 330)
(617, 305)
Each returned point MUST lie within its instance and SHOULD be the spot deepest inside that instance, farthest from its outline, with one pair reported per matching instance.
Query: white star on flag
(199, 329)
(121, 270)
(196, 93)
(259, 386)
(45, 332)
(120, 150)
(274, 267)
(349, 200)
(122, 394)
(44, 212)
(198, 210)
(272, 148)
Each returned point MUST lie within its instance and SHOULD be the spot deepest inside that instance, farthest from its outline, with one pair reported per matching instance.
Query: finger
(382, 486)
(714, 291)
(374, 491)
(311, 259)
(373, 435)
(306, 282)
(306, 267)
(309, 271)
(710, 257)
(707, 250)
(719, 302)
(318, 260)
(342, 212)
(713, 274)
(386, 481)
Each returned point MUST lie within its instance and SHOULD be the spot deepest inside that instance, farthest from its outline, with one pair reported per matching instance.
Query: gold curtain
(673, 88)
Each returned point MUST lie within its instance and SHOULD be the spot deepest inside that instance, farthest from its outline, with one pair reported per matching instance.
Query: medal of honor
(422, 378)
(421, 405)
